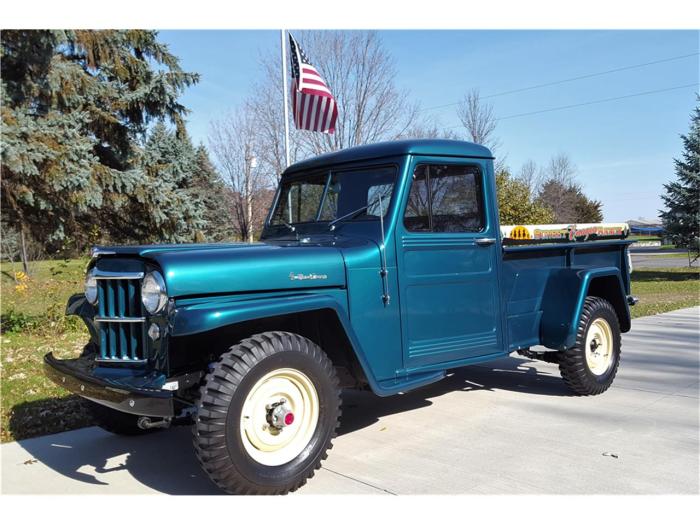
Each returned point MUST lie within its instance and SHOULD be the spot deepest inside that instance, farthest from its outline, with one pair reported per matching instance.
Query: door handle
(485, 241)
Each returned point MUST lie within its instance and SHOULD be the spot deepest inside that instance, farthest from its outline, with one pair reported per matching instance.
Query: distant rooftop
(447, 148)
(644, 222)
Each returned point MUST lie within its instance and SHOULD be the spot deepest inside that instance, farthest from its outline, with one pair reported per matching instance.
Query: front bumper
(130, 393)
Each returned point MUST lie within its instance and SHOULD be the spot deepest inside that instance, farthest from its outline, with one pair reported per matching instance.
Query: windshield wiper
(351, 215)
(356, 212)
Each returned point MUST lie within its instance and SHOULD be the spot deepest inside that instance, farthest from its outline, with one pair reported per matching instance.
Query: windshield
(325, 197)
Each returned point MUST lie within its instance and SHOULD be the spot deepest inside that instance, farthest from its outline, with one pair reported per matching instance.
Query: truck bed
(541, 282)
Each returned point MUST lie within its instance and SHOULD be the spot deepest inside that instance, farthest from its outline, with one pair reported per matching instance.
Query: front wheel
(589, 367)
(267, 414)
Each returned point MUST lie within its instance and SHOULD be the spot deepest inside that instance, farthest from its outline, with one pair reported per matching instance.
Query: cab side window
(445, 198)
(417, 215)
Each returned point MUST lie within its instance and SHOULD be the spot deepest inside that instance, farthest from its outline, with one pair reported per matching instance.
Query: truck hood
(206, 269)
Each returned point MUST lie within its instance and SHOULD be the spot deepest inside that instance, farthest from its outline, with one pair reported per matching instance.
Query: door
(447, 246)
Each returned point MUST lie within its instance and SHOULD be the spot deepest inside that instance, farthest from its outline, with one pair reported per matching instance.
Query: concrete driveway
(506, 427)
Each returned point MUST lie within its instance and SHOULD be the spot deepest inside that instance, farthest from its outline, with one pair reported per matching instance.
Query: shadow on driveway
(165, 460)
(362, 408)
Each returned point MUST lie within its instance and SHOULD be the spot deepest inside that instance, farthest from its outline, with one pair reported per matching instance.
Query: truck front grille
(120, 322)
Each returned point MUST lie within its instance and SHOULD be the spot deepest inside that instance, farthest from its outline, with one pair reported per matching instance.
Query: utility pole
(251, 162)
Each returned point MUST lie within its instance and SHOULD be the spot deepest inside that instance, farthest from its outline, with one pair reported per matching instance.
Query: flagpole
(286, 104)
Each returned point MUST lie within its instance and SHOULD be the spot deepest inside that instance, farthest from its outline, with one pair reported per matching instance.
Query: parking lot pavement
(504, 427)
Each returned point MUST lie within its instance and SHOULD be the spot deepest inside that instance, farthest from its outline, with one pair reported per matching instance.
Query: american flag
(313, 104)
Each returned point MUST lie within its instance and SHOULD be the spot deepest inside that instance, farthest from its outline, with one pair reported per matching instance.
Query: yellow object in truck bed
(528, 233)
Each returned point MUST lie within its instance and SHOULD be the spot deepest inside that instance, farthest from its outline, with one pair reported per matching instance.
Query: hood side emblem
(306, 276)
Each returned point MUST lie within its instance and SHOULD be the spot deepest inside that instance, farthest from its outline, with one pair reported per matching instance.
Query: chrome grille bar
(119, 360)
(104, 274)
(120, 319)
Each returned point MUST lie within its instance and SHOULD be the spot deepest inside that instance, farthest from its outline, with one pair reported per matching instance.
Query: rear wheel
(267, 414)
(589, 367)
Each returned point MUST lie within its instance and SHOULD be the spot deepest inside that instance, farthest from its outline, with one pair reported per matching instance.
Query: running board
(399, 385)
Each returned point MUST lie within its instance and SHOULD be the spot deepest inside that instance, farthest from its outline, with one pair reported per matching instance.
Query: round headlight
(153, 295)
(91, 287)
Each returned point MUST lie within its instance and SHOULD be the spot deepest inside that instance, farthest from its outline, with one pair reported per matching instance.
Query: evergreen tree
(75, 105)
(168, 160)
(186, 173)
(681, 217)
(587, 210)
(568, 203)
(215, 196)
(515, 203)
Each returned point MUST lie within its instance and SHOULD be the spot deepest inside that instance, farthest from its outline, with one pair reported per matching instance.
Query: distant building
(651, 227)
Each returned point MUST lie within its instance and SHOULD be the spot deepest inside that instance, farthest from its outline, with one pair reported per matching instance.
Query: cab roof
(440, 147)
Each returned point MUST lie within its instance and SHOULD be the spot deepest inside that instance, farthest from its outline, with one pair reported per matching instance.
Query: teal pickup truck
(380, 267)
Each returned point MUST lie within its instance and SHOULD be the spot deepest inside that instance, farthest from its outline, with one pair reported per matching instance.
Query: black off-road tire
(116, 422)
(216, 433)
(573, 365)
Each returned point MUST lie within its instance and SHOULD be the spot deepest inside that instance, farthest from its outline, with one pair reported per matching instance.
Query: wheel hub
(279, 417)
(599, 347)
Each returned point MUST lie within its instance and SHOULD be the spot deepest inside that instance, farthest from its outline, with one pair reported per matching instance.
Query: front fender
(79, 305)
(565, 295)
(210, 315)
(205, 316)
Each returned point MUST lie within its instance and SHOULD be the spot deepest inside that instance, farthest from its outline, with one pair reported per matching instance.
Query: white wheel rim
(599, 347)
(265, 443)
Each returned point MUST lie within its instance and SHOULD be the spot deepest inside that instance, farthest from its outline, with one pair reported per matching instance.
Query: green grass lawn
(675, 255)
(50, 283)
(32, 405)
(643, 238)
(664, 289)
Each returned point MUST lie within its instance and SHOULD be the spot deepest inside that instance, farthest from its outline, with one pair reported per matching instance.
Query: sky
(623, 149)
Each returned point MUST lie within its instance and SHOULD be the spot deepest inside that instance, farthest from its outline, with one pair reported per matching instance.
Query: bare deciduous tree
(554, 191)
(232, 140)
(532, 176)
(478, 120)
(360, 74)
(428, 129)
(564, 195)
(561, 169)
(266, 106)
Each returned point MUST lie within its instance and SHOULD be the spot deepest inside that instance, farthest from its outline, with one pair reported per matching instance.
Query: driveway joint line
(359, 481)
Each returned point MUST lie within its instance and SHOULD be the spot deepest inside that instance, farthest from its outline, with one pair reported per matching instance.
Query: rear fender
(565, 295)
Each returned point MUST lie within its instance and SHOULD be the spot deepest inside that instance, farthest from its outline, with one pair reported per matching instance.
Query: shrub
(13, 321)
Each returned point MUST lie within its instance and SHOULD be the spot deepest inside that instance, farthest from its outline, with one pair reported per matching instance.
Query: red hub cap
(280, 416)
